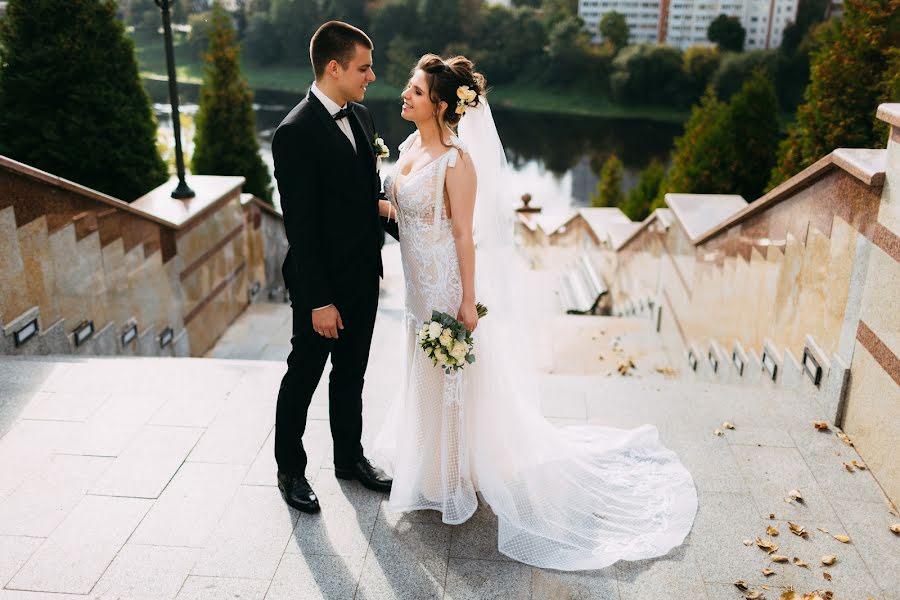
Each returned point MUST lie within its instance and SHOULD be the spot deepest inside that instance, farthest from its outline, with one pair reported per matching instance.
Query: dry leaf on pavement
(754, 595)
(771, 530)
(800, 563)
(895, 527)
(727, 425)
(858, 466)
(779, 558)
(795, 495)
(844, 438)
(820, 425)
(766, 545)
(768, 572)
(842, 538)
(797, 530)
(748, 542)
(718, 433)
(826, 575)
(741, 585)
(788, 595)
(829, 559)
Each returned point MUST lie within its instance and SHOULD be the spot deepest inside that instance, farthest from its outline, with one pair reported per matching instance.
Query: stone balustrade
(85, 273)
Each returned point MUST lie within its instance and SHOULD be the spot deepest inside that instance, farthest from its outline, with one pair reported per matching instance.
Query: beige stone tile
(880, 299)
(872, 418)
(837, 284)
(787, 296)
(809, 318)
(13, 294)
(39, 268)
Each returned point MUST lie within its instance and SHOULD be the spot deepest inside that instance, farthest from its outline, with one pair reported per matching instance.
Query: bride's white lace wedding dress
(570, 498)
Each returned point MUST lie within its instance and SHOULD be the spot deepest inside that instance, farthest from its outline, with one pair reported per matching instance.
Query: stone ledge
(698, 213)
(889, 113)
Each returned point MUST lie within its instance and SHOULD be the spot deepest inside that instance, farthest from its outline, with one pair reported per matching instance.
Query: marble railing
(84, 273)
(800, 285)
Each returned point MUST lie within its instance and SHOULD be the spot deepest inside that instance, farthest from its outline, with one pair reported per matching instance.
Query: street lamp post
(182, 191)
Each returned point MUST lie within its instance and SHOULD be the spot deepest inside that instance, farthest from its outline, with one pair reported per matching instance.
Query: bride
(571, 498)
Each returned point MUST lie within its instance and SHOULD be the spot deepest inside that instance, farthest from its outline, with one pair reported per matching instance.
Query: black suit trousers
(306, 362)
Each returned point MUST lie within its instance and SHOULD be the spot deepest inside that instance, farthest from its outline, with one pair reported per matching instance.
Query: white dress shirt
(332, 108)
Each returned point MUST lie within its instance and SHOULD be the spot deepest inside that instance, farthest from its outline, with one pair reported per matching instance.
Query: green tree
(848, 80)
(225, 142)
(568, 49)
(736, 68)
(71, 100)
(639, 202)
(700, 63)
(698, 156)
(727, 32)
(261, 41)
(809, 12)
(401, 58)
(752, 128)
(649, 74)
(295, 22)
(396, 18)
(349, 11)
(441, 22)
(609, 188)
(510, 43)
(614, 29)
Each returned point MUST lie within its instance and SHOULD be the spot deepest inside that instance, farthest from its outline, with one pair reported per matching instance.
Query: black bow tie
(344, 112)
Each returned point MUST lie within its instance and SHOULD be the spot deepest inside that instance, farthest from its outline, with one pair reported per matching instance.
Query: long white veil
(570, 498)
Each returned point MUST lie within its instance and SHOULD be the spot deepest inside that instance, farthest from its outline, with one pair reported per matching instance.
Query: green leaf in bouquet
(436, 316)
(482, 310)
(470, 359)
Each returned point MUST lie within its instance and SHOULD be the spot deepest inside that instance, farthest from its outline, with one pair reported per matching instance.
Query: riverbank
(295, 80)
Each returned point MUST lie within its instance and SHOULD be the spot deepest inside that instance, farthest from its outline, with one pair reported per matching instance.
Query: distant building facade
(684, 23)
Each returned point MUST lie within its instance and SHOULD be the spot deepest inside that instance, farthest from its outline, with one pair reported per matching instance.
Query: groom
(329, 186)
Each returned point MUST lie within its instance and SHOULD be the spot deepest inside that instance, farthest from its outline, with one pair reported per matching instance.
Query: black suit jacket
(329, 197)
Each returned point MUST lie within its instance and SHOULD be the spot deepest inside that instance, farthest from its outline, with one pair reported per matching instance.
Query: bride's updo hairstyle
(444, 79)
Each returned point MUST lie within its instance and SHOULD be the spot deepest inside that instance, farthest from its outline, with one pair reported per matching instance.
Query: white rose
(434, 330)
(423, 333)
(460, 349)
(446, 339)
(441, 356)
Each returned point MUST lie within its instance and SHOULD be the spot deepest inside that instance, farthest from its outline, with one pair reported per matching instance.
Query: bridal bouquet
(447, 342)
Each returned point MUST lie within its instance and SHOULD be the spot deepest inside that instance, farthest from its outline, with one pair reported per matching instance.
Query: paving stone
(406, 559)
(675, 575)
(145, 467)
(482, 579)
(27, 447)
(44, 500)
(191, 505)
(878, 548)
(14, 551)
(310, 577)
(723, 521)
(146, 573)
(251, 537)
(236, 434)
(477, 537)
(113, 427)
(710, 460)
(264, 470)
(772, 473)
(58, 406)
(223, 588)
(77, 553)
(588, 585)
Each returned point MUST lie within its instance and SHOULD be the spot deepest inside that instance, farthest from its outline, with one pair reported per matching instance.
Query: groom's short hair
(335, 40)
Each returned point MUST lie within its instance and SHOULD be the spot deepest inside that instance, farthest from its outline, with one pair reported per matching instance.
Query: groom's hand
(326, 321)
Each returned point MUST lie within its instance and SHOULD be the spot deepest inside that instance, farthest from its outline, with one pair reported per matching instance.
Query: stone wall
(177, 271)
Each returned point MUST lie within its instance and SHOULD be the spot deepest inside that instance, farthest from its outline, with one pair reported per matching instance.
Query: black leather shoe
(297, 493)
(367, 474)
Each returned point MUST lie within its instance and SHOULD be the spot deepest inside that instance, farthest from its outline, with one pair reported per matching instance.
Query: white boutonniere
(381, 151)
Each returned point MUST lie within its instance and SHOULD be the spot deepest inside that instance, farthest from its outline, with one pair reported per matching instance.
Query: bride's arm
(461, 185)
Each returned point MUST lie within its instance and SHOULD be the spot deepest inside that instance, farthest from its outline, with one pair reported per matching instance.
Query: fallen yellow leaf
(829, 559)
(858, 466)
(795, 495)
(741, 585)
(800, 563)
(826, 575)
(843, 437)
(823, 530)
(849, 467)
(771, 515)
(820, 425)
(842, 538)
(895, 527)
(727, 425)
(788, 595)
(797, 530)
(779, 558)
(771, 530)
(718, 433)
(754, 595)
(768, 572)
(748, 542)
(766, 545)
